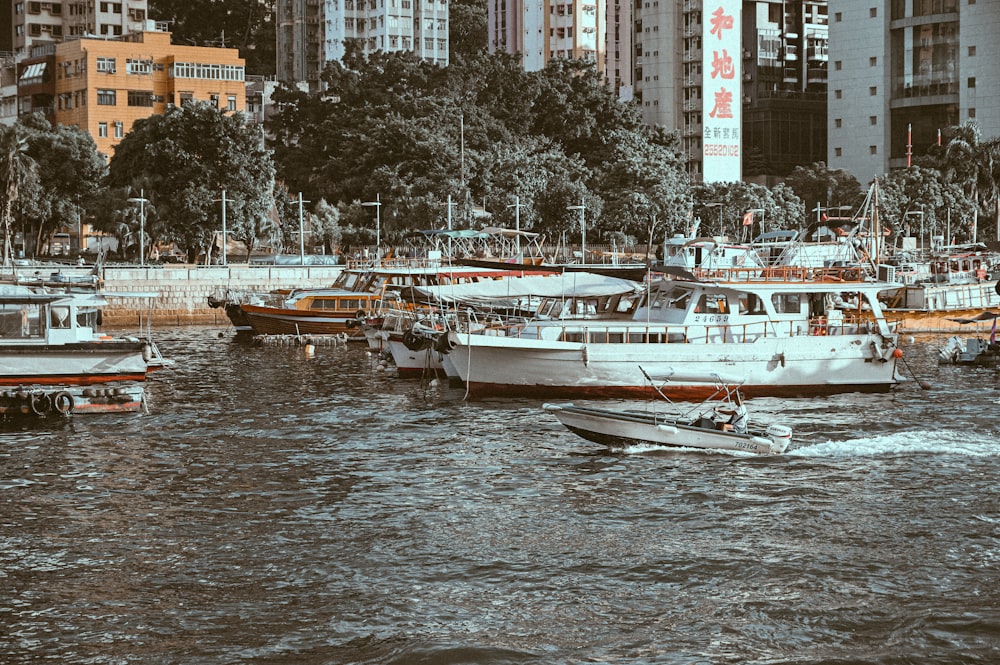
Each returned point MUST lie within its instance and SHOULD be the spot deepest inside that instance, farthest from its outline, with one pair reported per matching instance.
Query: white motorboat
(973, 350)
(786, 330)
(696, 428)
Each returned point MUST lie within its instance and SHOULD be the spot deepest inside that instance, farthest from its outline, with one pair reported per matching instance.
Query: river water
(278, 508)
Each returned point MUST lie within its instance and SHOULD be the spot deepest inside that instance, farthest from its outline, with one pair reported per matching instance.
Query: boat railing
(748, 275)
(686, 334)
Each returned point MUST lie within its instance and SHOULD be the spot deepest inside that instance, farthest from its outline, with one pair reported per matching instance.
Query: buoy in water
(310, 349)
(897, 353)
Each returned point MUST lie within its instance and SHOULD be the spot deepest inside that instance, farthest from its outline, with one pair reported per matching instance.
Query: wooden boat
(786, 331)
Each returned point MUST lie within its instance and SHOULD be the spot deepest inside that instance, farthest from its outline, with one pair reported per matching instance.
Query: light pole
(224, 202)
(717, 204)
(377, 203)
(302, 234)
(583, 229)
(142, 201)
(921, 214)
(517, 224)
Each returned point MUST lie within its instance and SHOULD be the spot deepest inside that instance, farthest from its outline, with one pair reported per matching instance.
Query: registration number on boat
(711, 318)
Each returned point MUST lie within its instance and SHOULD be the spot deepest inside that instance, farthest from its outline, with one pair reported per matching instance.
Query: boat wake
(949, 442)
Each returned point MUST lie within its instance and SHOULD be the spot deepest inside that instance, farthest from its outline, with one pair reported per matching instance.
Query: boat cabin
(27, 316)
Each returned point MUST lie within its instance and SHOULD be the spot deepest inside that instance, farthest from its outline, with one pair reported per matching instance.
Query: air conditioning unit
(886, 273)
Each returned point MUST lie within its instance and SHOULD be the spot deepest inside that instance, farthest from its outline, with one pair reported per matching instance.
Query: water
(275, 508)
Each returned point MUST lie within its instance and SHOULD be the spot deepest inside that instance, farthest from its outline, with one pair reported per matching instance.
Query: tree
(922, 200)
(183, 160)
(973, 164)
(16, 169)
(467, 32)
(247, 25)
(70, 171)
(821, 187)
(325, 222)
(644, 184)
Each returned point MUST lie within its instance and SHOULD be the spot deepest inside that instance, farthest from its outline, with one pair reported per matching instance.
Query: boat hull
(783, 366)
(82, 363)
(619, 429)
(281, 321)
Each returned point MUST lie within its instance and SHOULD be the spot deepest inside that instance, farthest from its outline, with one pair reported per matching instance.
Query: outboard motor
(780, 437)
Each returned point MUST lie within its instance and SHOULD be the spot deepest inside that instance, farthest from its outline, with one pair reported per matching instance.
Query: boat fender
(40, 403)
(668, 429)
(447, 342)
(63, 402)
(147, 353)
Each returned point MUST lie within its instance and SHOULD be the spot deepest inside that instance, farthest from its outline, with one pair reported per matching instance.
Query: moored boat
(786, 333)
(51, 339)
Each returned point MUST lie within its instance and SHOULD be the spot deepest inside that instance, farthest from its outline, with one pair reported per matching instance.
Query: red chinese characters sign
(721, 93)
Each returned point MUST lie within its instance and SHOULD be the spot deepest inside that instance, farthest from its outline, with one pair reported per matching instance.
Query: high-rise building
(903, 70)
(540, 30)
(24, 24)
(742, 80)
(311, 33)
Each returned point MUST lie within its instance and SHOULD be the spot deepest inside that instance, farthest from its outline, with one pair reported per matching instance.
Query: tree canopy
(182, 161)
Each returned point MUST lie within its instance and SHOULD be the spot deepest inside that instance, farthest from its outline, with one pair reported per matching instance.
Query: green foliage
(182, 161)
(924, 200)
(467, 31)
(325, 223)
(818, 185)
(247, 25)
(480, 131)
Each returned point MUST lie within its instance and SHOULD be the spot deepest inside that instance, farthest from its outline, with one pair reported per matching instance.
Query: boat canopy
(574, 284)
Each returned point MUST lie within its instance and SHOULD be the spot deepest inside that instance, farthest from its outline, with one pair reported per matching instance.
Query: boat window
(751, 304)
(713, 303)
(671, 299)
(787, 303)
(21, 321)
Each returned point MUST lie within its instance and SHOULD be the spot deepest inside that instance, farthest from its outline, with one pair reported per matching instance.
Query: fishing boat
(787, 331)
(953, 279)
(696, 427)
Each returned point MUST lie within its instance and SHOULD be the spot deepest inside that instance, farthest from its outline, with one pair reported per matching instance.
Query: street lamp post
(224, 201)
(517, 224)
(142, 201)
(377, 204)
(583, 229)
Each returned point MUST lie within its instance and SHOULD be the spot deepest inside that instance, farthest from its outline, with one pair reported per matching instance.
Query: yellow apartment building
(105, 85)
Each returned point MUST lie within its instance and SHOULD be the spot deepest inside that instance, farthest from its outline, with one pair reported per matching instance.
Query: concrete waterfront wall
(179, 293)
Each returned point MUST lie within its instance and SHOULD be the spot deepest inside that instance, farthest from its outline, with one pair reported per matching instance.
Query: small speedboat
(699, 427)
(618, 429)
(973, 350)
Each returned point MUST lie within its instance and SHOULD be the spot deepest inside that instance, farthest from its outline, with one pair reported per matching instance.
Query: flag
(993, 333)
(748, 218)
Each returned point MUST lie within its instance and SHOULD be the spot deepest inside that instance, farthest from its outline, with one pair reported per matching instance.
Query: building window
(972, 81)
(119, 129)
(102, 130)
(873, 149)
(873, 120)
(838, 123)
(106, 98)
(873, 91)
(972, 113)
(214, 98)
(106, 65)
(837, 94)
(837, 152)
(838, 17)
(873, 61)
(837, 65)
(873, 12)
(231, 103)
(140, 98)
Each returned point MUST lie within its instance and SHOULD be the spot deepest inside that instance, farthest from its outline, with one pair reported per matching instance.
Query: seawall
(175, 295)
